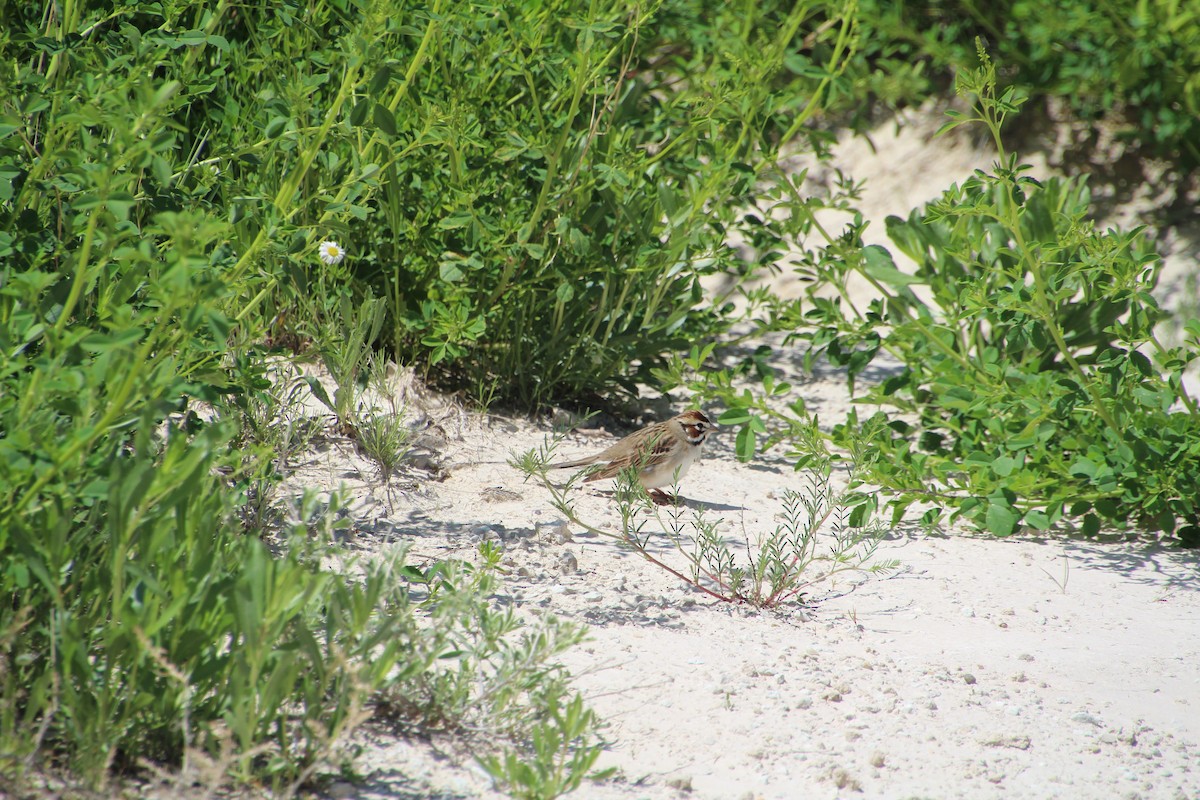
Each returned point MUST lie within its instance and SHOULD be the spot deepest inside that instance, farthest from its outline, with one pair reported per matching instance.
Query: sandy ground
(980, 668)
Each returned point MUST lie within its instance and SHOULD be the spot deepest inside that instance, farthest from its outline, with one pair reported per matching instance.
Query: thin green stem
(81, 270)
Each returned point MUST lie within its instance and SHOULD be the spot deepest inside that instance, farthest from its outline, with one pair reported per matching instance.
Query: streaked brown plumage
(662, 452)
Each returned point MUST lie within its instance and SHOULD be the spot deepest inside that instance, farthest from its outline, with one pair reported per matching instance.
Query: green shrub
(1137, 61)
(1034, 388)
(142, 615)
(549, 183)
(536, 190)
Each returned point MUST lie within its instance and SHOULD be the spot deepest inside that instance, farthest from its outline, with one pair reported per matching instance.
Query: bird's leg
(662, 498)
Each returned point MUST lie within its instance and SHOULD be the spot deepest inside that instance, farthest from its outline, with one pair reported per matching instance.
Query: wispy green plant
(814, 542)
(558, 758)
(385, 439)
(481, 666)
(345, 348)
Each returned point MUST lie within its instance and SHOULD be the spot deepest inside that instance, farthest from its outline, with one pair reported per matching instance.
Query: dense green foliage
(536, 209)
(1135, 62)
(150, 227)
(1034, 388)
(530, 195)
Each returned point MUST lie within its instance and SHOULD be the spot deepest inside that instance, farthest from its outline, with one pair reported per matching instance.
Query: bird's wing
(648, 453)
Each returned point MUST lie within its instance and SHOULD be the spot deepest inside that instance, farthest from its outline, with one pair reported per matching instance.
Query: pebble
(568, 564)
(1086, 718)
(682, 783)
(339, 790)
(562, 533)
(593, 597)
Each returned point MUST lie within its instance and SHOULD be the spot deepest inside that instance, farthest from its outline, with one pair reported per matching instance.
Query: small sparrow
(662, 453)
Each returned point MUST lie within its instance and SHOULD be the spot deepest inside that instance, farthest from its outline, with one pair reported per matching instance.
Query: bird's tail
(583, 462)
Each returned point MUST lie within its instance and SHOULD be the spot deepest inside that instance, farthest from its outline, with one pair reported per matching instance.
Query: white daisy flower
(331, 253)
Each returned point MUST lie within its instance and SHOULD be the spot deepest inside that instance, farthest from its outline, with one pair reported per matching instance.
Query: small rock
(878, 760)
(968, 612)
(844, 780)
(1087, 719)
(1025, 657)
(593, 597)
(568, 564)
(682, 783)
(1016, 742)
(968, 679)
(339, 790)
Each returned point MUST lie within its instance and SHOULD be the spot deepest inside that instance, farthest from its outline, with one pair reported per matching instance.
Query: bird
(662, 453)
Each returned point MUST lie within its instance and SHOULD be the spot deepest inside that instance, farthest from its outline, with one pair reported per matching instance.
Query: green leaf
(275, 127)
(745, 445)
(459, 218)
(1001, 520)
(358, 114)
(1004, 465)
(319, 392)
(119, 340)
(384, 119)
(1083, 468)
(881, 267)
(734, 416)
(380, 81)
(1037, 519)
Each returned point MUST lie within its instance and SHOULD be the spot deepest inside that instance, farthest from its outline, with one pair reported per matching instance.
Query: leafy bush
(1135, 61)
(1034, 387)
(143, 617)
(550, 182)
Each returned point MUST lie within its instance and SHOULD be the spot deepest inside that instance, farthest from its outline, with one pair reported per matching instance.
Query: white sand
(979, 669)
